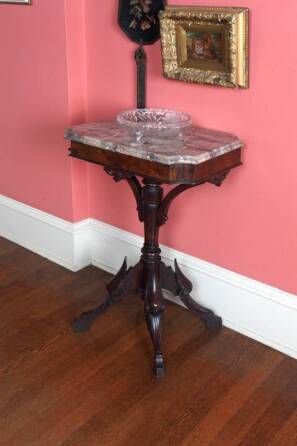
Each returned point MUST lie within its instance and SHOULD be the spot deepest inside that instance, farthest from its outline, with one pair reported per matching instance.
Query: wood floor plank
(125, 394)
(274, 417)
(206, 378)
(60, 376)
(228, 405)
(104, 388)
(58, 388)
(287, 434)
(274, 387)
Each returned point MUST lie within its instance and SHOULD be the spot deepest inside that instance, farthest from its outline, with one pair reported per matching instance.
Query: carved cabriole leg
(179, 285)
(185, 287)
(153, 297)
(155, 322)
(124, 282)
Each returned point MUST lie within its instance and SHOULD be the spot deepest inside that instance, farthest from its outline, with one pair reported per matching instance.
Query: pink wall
(77, 88)
(34, 106)
(42, 91)
(249, 225)
(65, 61)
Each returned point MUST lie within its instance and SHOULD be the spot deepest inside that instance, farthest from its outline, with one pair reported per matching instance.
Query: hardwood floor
(58, 388)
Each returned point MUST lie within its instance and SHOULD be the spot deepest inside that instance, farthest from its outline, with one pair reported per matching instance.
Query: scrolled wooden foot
(214, 322)
(155, 326)
(84, 321)
(159, 366)
(211, 320)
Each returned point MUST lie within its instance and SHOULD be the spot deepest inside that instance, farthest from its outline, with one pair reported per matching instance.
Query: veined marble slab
(195, 147)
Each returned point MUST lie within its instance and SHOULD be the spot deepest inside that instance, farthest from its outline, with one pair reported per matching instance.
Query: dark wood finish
(150, 275)
(177, 283)
(134, 185)
(166, 203)
(149, 279)
(62, 389)
(153, 297)
(176, 173)
(184, 290)
(124, 282)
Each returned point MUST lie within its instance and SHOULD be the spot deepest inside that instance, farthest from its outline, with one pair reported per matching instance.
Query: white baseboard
(259, 311)
(54, 238)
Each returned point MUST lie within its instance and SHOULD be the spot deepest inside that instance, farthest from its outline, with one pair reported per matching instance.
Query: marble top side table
(201, 156)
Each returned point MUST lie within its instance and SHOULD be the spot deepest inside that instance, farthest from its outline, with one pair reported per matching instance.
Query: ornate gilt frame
(174, 20)
(16, 2)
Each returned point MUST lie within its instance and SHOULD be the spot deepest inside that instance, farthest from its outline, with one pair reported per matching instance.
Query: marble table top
(195, 147)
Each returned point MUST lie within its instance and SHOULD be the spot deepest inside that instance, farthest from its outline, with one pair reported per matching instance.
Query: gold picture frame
(16, 2)
(207, 45)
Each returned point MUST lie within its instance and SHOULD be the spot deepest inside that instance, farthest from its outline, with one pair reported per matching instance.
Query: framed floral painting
(207, 45)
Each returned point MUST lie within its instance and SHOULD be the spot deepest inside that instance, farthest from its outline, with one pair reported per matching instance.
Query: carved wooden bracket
(166, 203)
(134, 184)
(117, 174)
(136, 188)
(218, 179)
(137, 191)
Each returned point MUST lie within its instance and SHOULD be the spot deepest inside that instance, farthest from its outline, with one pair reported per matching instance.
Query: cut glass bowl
(155, 123)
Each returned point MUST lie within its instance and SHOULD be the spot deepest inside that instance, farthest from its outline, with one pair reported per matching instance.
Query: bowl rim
(182, 123)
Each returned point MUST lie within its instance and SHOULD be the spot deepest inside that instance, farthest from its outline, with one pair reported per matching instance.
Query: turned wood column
(154, 306)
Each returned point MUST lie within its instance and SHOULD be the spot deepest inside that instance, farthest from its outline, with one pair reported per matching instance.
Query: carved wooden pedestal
(200, 156)
(150, 275)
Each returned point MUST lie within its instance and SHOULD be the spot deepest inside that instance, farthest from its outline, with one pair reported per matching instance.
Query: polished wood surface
(152, 209)
(146, 277)
(149, 277)
(58, 388)
(175, 173)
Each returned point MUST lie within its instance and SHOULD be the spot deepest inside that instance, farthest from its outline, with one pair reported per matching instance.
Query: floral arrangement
(140, 13)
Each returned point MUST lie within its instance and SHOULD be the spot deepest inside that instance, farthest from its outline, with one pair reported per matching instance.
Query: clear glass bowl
(155, 123)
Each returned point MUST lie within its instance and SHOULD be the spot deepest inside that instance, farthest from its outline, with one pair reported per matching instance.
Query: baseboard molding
(54, 238)
(259, 311)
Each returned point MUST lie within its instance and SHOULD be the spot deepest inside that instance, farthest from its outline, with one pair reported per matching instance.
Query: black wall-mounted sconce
(139, 19)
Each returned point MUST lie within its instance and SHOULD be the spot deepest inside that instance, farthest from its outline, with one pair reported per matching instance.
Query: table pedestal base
(131, 280)
(150, 276)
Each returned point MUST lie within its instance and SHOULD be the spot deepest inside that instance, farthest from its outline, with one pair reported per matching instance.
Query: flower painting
(139, 19)
(140, 13)
(207, 45)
